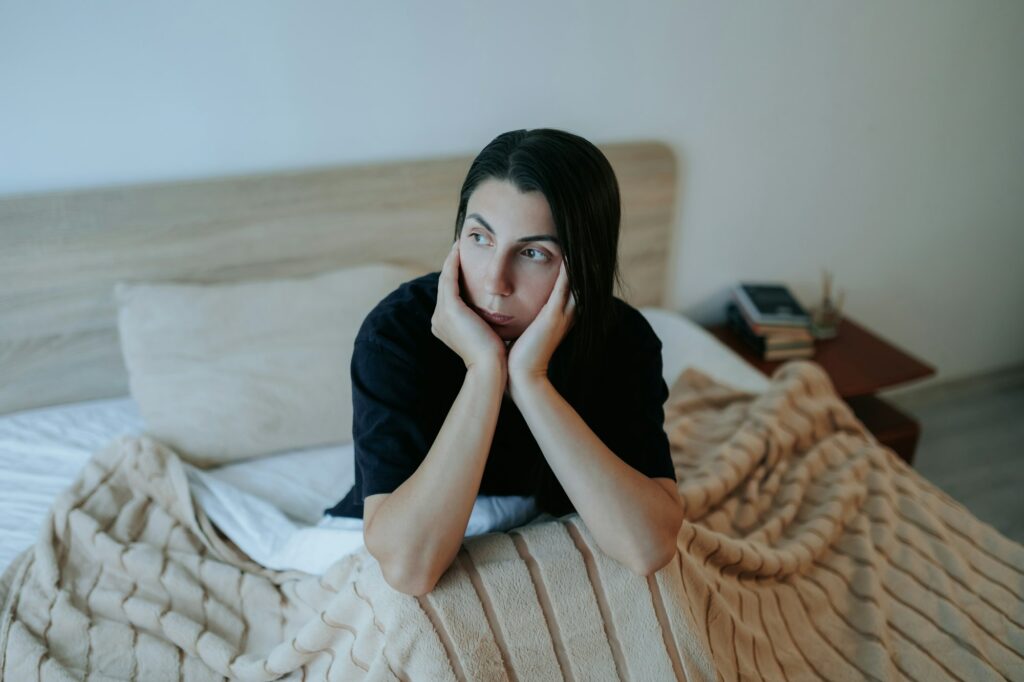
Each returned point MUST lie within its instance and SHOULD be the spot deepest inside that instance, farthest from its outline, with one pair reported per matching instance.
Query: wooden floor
(972, 444)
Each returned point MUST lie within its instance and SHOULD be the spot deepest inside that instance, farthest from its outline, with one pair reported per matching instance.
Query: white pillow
(225, 372)
(687, 344)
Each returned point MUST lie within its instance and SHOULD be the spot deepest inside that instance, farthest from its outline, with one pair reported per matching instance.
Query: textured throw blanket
(809, 552)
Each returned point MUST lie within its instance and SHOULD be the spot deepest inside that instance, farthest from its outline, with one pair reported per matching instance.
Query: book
(767, 347)
(771, 305)
(794, 333)
(789, 354)
(740, 325)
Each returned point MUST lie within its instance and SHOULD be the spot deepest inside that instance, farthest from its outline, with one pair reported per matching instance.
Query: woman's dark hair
(583, 194)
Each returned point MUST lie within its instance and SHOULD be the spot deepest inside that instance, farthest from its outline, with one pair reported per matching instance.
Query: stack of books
(770, 321)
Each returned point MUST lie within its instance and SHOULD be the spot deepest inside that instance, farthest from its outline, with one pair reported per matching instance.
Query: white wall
(881, 139)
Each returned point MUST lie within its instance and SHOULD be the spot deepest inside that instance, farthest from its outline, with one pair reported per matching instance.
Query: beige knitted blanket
(809, 552)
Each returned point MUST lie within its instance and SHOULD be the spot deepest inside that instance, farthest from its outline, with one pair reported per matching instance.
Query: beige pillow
(230, 371)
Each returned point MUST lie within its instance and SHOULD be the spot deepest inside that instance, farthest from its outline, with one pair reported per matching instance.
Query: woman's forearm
(634, 519)
(418, 529)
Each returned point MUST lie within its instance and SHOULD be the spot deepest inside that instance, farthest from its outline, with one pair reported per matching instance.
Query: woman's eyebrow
(535, 238)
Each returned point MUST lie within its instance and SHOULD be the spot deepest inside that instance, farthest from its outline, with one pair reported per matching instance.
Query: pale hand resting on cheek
(530, 354)
(460, 328)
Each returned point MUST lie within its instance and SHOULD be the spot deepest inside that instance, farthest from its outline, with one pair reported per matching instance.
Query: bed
(808, 550)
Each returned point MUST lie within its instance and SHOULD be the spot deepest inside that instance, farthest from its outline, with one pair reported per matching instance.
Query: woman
(514, 371)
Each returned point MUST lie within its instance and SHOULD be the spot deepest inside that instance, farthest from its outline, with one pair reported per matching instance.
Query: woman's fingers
(569, 306)
(563, 282)
(448, 280)
(455, 268)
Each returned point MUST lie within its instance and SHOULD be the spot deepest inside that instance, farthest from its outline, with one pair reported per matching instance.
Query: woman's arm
(634, 519)
(417, 530)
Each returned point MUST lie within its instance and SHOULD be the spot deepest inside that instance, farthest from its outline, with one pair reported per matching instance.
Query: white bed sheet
(271, 507)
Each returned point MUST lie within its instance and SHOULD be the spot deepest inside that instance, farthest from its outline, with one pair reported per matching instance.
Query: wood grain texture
(63, 252)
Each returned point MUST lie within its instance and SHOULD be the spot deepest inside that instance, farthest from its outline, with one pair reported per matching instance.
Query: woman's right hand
(459, 327)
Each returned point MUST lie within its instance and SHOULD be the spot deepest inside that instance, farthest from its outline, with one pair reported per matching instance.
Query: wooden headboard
(62, 252)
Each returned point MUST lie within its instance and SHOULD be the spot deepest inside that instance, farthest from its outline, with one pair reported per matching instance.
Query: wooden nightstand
(859, 364)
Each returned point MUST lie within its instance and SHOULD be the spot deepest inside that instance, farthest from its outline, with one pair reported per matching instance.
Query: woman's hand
(459, 327)
(529, 355)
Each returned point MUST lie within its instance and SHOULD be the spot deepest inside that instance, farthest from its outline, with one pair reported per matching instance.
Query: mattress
(42, 450)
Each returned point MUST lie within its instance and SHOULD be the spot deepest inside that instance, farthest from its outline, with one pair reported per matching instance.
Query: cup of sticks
(826, 315)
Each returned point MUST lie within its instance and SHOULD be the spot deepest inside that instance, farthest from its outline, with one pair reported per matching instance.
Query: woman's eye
(537, 255)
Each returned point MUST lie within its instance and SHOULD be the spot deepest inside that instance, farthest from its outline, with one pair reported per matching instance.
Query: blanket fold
(808, 551)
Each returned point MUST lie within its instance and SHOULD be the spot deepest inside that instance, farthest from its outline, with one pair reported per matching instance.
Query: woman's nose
(498, 281)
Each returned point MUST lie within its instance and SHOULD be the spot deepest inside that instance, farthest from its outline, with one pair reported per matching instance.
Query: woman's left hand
(529, 355)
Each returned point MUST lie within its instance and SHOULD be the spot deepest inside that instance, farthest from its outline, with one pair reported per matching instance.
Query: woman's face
(509, 254)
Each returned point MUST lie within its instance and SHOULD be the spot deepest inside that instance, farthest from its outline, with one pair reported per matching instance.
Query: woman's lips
(495, 318)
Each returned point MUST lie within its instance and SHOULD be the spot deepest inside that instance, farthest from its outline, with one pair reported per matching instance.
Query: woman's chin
(505, 333)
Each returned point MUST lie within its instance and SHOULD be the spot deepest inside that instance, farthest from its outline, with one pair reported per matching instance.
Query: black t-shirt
(405, 380)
